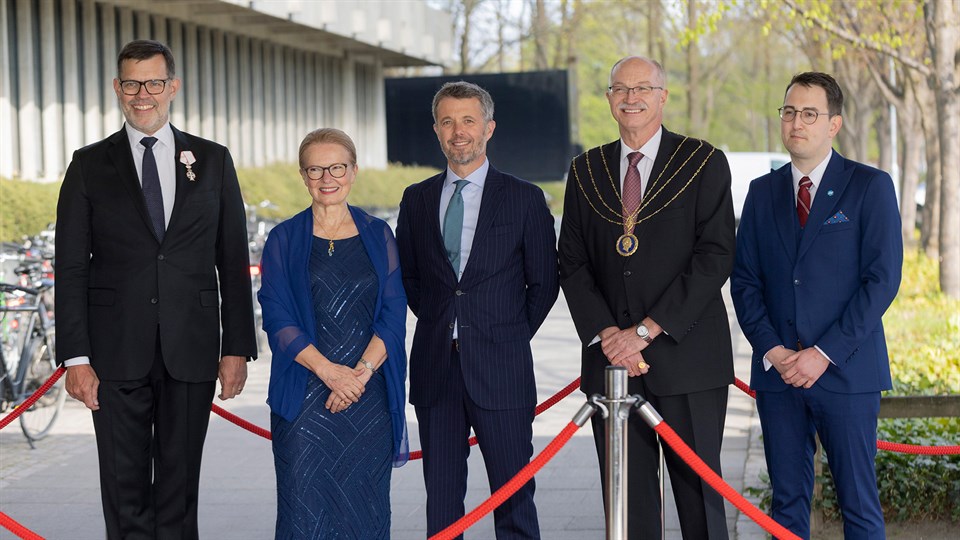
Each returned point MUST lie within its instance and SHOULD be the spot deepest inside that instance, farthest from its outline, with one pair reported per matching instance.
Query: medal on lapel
(186, 157)
(627, 243)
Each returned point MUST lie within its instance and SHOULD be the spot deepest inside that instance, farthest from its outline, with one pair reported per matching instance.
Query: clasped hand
(623, 348)
(346, 385)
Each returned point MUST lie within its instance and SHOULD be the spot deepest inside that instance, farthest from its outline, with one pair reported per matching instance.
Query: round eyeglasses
(315, 172)
(809, 116)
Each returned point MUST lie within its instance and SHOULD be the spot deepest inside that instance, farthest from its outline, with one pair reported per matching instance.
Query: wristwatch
(644, 333)
(368, 365)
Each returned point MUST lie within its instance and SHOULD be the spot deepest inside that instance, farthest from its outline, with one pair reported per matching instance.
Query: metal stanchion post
(619, 407)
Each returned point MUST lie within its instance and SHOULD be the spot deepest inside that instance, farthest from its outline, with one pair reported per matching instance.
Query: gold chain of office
(627, 243)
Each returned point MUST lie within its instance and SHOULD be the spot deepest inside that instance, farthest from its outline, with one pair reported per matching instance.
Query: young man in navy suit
(153, 298)
(818, 261)
(479, 259)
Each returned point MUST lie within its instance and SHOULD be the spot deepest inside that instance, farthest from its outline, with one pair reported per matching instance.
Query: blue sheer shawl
(290, 323)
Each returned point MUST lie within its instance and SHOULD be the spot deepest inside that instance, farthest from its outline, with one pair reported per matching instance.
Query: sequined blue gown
(333, 470)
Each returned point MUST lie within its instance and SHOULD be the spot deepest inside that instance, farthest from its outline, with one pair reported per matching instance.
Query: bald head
(635, 60)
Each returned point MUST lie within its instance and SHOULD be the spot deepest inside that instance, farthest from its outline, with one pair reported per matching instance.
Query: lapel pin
(186, 157)
(830, 193)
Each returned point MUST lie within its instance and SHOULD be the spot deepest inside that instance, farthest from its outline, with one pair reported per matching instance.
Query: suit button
(789, 322)
(626, 273)
(451, 326)
(459, 292)
(160, 257)
(796, 282)
(626, 313)
(154, 300)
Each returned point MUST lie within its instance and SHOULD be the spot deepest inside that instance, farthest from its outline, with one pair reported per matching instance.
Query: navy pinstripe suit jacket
(508, 286)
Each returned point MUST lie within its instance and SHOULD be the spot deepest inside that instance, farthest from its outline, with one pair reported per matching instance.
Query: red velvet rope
(252, 428)
(717, 483)
(27, 403)
(881, 445)
(17, 529)
(511, 487)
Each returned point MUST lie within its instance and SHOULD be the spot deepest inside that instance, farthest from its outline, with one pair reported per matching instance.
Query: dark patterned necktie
(803, 200)
(632, 185)
(151, 187)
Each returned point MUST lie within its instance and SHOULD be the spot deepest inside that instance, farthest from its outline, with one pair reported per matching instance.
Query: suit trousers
(847, 425)
(150, 435)
(698, 419)
(505, 438)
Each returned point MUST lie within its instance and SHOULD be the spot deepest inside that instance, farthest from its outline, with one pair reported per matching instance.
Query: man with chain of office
(646, 243)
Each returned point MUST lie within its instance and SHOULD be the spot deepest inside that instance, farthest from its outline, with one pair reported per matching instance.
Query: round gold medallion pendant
(627, 244)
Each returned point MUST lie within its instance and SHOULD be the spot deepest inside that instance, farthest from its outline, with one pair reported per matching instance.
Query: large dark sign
(532, 138)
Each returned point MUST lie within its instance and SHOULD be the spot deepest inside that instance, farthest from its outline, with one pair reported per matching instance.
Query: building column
(29, 113)
(72, 114)
(256, 65)
(378, 119)
(93, 86)
(51, 113)
(220, 89)
(178, 109)
(112, 116)
(245, 98)
(347, 112)
(208, 125)
(190, 87)
(8, 122)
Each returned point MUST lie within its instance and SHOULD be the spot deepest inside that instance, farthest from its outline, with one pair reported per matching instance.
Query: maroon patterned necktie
(803, 200)
(632, 188)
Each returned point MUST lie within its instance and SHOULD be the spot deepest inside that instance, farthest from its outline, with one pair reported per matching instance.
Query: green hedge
(26, 208)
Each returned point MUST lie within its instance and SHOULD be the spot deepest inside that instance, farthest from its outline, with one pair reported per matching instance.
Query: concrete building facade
(257, 75)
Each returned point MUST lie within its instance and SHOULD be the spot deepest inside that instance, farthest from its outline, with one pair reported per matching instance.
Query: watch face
(642, 331)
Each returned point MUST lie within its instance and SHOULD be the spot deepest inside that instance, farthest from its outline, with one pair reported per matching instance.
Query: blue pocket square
(839, 217)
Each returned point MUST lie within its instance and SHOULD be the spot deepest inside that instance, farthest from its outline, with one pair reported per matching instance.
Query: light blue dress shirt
(472, 194)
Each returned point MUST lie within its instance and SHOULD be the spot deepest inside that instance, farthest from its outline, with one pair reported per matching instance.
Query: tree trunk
(944, 20)
(695, 104)
(930, 217)
(540, 35)
(911, 133)
(881, 126)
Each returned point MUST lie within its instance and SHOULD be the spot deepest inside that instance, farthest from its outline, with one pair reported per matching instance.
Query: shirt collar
(164, 136)
(477, 177)
(649, 149)
(815, 176)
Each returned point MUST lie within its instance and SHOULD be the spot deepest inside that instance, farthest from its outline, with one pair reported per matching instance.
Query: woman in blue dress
(334, 312)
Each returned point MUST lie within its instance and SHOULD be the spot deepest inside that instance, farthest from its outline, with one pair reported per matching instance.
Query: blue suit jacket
(828, 285)
(508, 286)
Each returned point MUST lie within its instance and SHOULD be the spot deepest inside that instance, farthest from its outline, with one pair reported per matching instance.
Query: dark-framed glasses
(624, 91)
(131, 87)
(809, 116)
(315, 172)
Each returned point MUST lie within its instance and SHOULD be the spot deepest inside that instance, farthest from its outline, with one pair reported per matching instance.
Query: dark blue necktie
(151, 187)
(453, 226)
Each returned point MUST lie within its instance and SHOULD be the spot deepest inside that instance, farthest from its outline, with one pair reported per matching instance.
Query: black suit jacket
(116, 284)
(685, 254)
(507, 288)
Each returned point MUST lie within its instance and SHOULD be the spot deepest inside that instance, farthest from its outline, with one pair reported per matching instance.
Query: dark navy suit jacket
(507, 288)
(828, 285)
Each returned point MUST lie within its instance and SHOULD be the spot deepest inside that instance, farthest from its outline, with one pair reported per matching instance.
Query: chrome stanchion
(616, 408)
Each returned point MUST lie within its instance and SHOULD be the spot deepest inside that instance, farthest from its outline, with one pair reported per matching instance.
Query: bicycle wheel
(39, 418)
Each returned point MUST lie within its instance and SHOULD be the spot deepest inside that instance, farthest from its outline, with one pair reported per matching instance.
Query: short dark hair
(145, 49)
(825, 81)
(464, 90)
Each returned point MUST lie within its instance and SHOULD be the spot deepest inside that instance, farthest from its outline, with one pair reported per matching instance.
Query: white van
(745, 167)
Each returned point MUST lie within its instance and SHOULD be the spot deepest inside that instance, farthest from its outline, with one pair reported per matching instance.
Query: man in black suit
(153, 298)
(479, 259)
(646, 243)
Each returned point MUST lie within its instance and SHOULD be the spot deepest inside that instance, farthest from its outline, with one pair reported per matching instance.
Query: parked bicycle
(27, 357)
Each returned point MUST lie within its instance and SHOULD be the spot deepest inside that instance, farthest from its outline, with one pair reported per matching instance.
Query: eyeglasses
(623, 91)
(315, 172)
(153, 86)
(809, 116)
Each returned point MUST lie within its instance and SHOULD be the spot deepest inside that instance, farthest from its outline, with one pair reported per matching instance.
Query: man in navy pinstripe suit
(477, 307)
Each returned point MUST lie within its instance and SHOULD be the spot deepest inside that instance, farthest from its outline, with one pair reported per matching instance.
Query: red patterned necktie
(632, 188)
(803, 200)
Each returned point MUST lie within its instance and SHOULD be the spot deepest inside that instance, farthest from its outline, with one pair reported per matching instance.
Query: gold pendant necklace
(330, 247)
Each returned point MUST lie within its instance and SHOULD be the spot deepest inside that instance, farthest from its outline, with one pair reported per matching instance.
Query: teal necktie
(453, 226)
